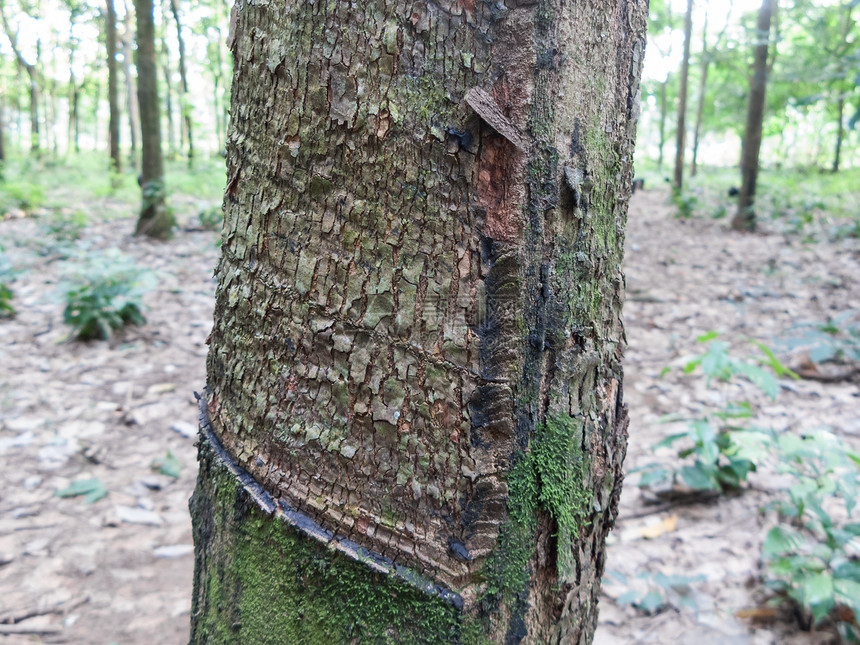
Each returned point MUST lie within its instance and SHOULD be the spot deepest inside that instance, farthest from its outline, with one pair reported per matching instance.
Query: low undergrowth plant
(6, 295)
(813, 555)
(64, 227)
(720, 444)
(652, 592)
(835, 340)
(104, 294)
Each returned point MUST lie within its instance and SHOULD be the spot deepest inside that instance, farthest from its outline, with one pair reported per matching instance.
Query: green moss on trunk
(258, 579)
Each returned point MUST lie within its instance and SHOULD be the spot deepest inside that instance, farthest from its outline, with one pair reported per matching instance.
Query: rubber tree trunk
(700, 107)
(2, 134)
(840, 132)
(168, 89)
(113, 82)
(744, 219)
(131, 99)
(33, 79)
(680, 135)
(663, 86)
(184, 100)
(413, 429)
(154, 220)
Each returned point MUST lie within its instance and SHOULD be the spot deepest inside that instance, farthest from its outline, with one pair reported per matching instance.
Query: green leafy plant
(835, 340)
(721, 443)
(813, 558)
(210, 218)
(20, 195)
(104, 294)
(65, 227)
(652, 592)
(92, 490)
(168, 465)
(6, 295)
(686, 204)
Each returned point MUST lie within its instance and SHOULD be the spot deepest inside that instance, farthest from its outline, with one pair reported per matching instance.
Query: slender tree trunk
(168, 87)
(703, 86)
(113, 82)
(662, 122)
(680, 135)
(155, 219)
(131, 99)
(413, 427)
(840, 132)
(744, 219)
(219, 102)
(33, 83)
(96, 96)
(35, 135)
(2, 134)
(184, 100)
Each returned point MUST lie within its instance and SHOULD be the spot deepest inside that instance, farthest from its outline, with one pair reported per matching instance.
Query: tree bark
(113, 80)
(663, 86)
(413, 427)
(168, 87)
(840, 132)
(703, 86)
(2, 134)
(744, 219)
(131, 99)
(680, 135)
(184, 101)
(155, 219)
(33, 78)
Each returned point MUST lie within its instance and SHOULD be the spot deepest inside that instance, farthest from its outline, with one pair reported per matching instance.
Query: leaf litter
(96, 439)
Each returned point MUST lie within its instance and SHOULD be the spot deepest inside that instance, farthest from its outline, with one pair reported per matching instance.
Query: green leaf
(630, 597)
(817, 592)
(92, 489)
(780, 540)
(653, 476)
(704, 338)
(698, 478)
(692, 365)
(773, 361)
(168, 465)
(848, 591)
(666, 442)
(766, 381)
(651, 602)
(663, 372)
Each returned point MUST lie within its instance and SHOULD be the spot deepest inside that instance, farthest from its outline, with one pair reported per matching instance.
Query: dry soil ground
(119, 570)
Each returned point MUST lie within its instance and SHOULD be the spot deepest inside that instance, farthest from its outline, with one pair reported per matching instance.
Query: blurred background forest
(738, 520)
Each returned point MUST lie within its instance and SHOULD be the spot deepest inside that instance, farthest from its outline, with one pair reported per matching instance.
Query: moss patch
(258, 580)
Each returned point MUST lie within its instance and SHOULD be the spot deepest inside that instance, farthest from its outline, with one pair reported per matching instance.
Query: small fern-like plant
(104, 294)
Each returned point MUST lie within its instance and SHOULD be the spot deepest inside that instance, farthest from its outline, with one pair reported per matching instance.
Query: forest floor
(120, 570)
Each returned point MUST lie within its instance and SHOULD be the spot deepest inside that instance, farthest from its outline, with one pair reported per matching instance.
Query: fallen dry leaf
(656, 530)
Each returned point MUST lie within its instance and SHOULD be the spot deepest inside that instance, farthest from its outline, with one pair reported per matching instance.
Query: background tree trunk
(133, 113)
(680, 135)
(184, 101)
(700, 107)
(155, 220)
(2, 134)
(33, 78)
(840, 107)
(168, 89)
(744, 219)
(663, 86)
(113, 80)
(417, 345)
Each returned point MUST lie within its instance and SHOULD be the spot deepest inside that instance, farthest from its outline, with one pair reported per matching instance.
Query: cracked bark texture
(417, 346)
